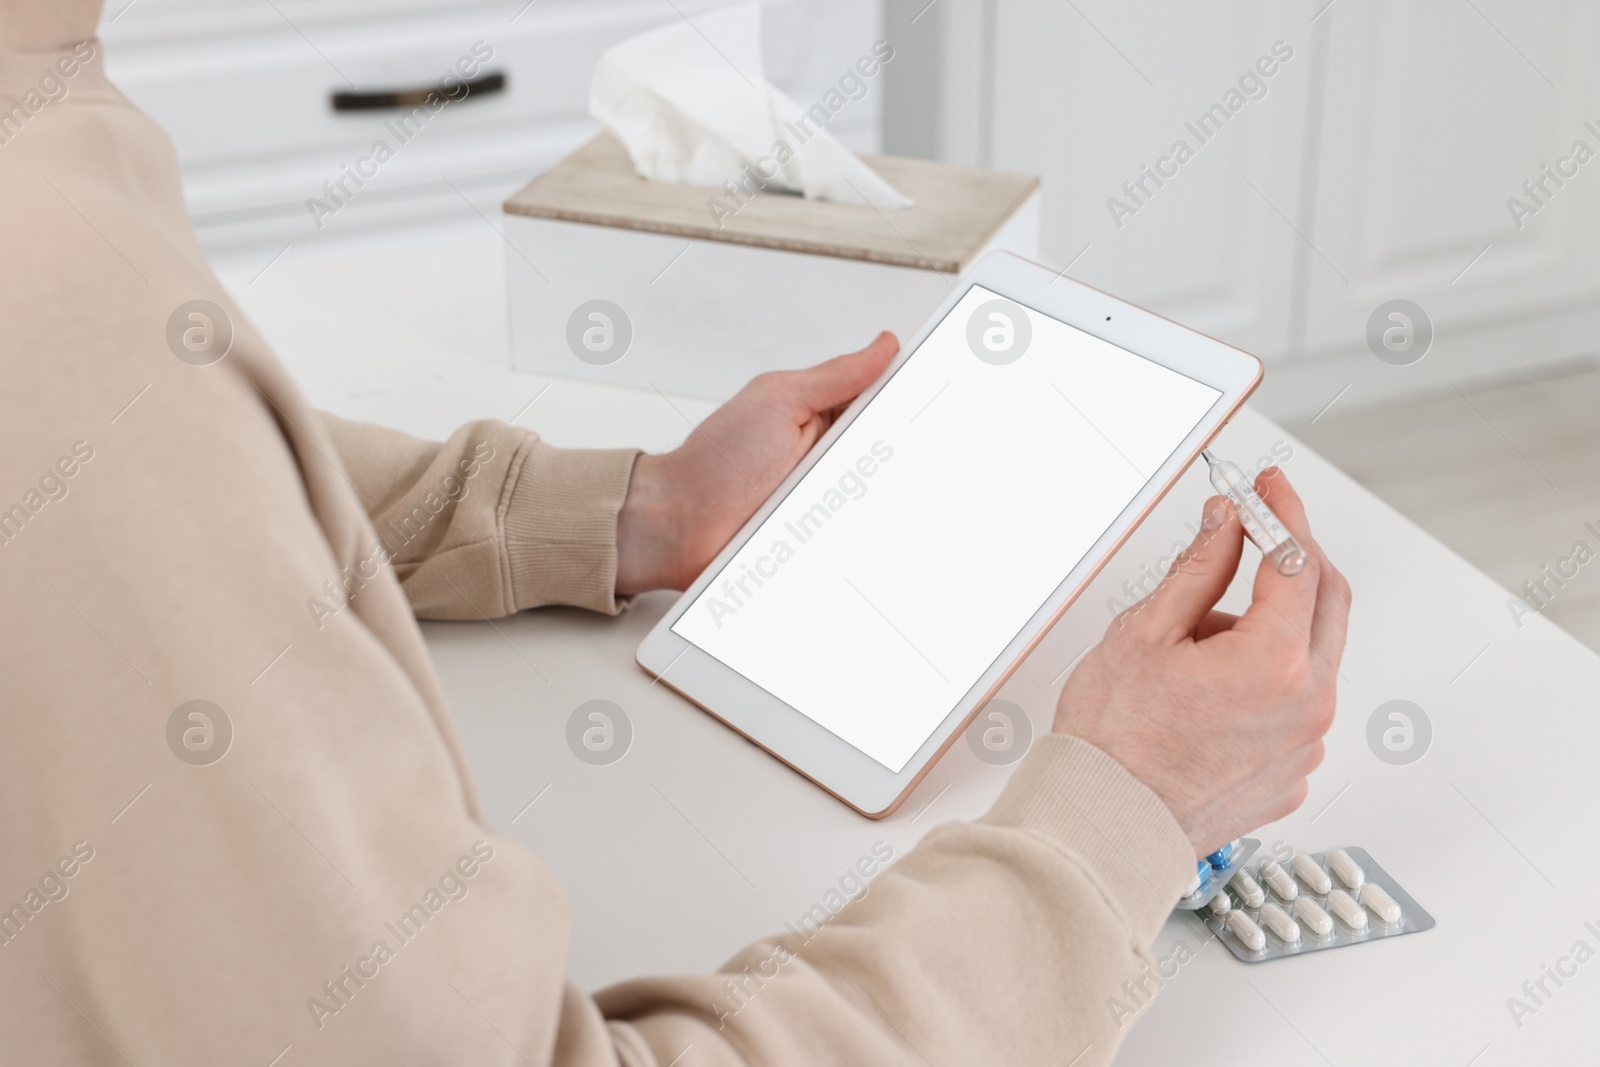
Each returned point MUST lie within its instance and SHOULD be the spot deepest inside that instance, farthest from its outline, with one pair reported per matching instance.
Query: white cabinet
(1433, 117)
(246, 89)
(1377, 167)
(1422, 147)
(1091, 105)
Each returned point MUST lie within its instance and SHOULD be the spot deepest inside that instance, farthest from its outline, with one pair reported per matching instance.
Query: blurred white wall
(1376, 164)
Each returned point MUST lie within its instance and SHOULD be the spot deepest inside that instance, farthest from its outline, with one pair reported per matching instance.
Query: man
(328, 892)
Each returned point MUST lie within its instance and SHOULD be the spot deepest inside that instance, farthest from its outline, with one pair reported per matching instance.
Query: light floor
(1506, 476)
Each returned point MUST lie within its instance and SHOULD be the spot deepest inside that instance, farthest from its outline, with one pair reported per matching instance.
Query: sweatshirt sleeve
(1000, 941)
(493, 520)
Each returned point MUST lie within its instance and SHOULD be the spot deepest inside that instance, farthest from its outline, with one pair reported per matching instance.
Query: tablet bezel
(822, 756)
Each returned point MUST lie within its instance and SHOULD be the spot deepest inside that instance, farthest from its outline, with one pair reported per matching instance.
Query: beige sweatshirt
(327, 891)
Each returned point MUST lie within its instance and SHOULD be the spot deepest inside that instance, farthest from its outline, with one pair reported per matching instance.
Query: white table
(696, 842)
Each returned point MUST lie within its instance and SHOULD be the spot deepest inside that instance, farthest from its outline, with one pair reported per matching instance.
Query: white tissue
(692, 104)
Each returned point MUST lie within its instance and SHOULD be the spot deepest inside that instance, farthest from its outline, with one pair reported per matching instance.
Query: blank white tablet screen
(899, 568)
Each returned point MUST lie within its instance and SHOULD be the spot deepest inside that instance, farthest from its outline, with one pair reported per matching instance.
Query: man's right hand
(1222, 716)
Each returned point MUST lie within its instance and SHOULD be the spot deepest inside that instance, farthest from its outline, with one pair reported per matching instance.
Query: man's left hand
(682, 507)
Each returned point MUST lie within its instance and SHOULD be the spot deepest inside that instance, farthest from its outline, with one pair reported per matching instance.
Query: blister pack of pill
(1319, 900)
(1212, 873)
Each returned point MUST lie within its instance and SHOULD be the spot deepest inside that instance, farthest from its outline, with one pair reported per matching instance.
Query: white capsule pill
(1381, 903)
(1220, 905)
(1315, 878)
(1275, 876)
(1277, 920)
(1350, 913)
(1248, 933)
(1250, 894)
(1345, 869)
(1311, 915)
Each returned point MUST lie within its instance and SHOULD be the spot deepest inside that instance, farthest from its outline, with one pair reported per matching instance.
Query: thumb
(840, 380)
(1199, 576)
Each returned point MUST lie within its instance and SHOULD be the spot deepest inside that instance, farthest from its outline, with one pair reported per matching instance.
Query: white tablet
(870, 608)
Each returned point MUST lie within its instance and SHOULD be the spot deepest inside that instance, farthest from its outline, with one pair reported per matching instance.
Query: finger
(1199, 576)
(1285, 602)
(1331, 621)
(1332, 612)
(840, 380)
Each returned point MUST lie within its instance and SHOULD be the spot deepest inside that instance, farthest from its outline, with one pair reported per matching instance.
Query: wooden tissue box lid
(957, 209)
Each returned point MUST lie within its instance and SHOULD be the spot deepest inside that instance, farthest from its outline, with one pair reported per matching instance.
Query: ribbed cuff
(561, 525)
(1086, 802)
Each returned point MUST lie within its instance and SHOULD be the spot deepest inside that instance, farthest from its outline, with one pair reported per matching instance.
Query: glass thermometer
(1265, 528)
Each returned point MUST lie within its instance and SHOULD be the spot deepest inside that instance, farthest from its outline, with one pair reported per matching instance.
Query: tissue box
(693, 290)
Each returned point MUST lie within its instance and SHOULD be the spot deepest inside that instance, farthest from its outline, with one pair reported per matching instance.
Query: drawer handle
(383, 99)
